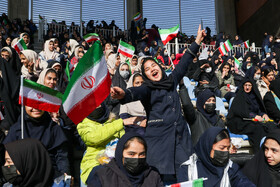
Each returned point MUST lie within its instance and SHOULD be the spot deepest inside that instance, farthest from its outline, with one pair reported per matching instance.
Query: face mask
(11, 175)
(267, 56)
(134, 165)
(124, 74)
(257, 77)
(98, 113)
(208, 70)
(278, 40)
(210, 107)
(220, 158)
(165, 54)
(248, 67)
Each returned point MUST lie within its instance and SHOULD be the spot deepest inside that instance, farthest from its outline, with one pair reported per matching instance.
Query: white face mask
(124, 74)
(248, 67)
(208, 70)
(165, 54)
(268, 55)
(257, 77)
(278, 40)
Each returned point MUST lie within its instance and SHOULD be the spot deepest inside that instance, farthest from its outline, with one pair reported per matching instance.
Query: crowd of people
(161, 136)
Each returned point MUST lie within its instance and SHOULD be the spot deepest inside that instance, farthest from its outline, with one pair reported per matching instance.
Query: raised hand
(200, 35)
(117, 93)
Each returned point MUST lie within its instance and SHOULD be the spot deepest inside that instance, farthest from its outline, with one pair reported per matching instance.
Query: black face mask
(220, 158)
(210, 107)
(135, 165)
(11, 175)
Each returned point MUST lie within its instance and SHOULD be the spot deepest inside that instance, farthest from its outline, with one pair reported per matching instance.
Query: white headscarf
(73, 45)
(47, 54)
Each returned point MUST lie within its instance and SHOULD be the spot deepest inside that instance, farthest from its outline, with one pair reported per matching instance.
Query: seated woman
(204, 117)
(254, 73)
(27, 163)
(206, 78)
(264, 82)
(129, 167)
(134, 110)
(49, 52)
(39, 125)
(32, 65)
(263, 168)
(247, 114)
(226, 78)
(164, 59)
(272, 102)
(211, 161)
(96, 131)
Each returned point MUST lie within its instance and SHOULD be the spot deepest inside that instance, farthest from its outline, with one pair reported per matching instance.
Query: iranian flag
(91, 37)
(126, 49)
(39, 96)
(237, 63)
(246, 44)
(137, 16)
(222, 50)
(228, 46)
(89, 85)
(69, 70)
(1, 116)
(193, 183)
(168, 34)
(20, 46)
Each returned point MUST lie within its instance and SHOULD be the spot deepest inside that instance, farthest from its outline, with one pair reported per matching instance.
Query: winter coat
(224, 82)
(96, 136)
(167, 133)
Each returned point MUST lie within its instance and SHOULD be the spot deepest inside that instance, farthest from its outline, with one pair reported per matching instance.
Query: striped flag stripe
(228, 46)
(91, 37)
(1, 116)
(126, 49)
(20, 46)
(168, 34)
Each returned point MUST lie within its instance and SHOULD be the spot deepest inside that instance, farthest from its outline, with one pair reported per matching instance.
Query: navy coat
(167, 133)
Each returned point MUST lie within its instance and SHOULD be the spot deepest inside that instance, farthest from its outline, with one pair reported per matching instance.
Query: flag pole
(169, 56)
(21, 82)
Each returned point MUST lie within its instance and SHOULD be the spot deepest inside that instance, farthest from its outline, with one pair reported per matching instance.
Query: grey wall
(266, 19)
(18, 9)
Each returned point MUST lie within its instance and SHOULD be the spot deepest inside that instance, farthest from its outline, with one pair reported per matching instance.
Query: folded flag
(40, 17)
(91, 37)
(89, 85)
(126, 49)
(193, 183)
(20, 46)
(222, 50)
(137, 16)
(69, 69)
(228, 46)
(1, 116)
(168, 34)
(39, 96)
(246, 44)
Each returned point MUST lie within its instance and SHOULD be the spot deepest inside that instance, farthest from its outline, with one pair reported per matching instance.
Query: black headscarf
(202, 150)
(201, 99)
(165, 83)
(9, 91)
(100, 114)
(136, 180)
(43, 129)
(32, 161)
(215, 66)
(258, 170)
(275, 87)
(229, 72)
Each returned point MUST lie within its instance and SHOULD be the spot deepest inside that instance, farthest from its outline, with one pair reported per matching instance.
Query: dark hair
(51, 71)
(134, 57)
(139, 140)
(224, 134)
(135, 76)
(256, 68)
(266, 71)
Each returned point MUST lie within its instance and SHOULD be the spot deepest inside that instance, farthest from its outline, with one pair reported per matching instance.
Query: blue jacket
(167, 133)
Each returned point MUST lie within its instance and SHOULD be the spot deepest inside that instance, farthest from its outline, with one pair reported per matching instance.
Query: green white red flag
(137, 16)
(20, 46)
(222, 50)
(39, 96)
(237, 63)
(89, 85)
(91, 37)
(126, 49)
(228, 46)
(246, 44)
(193, 183)
(168, 34)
